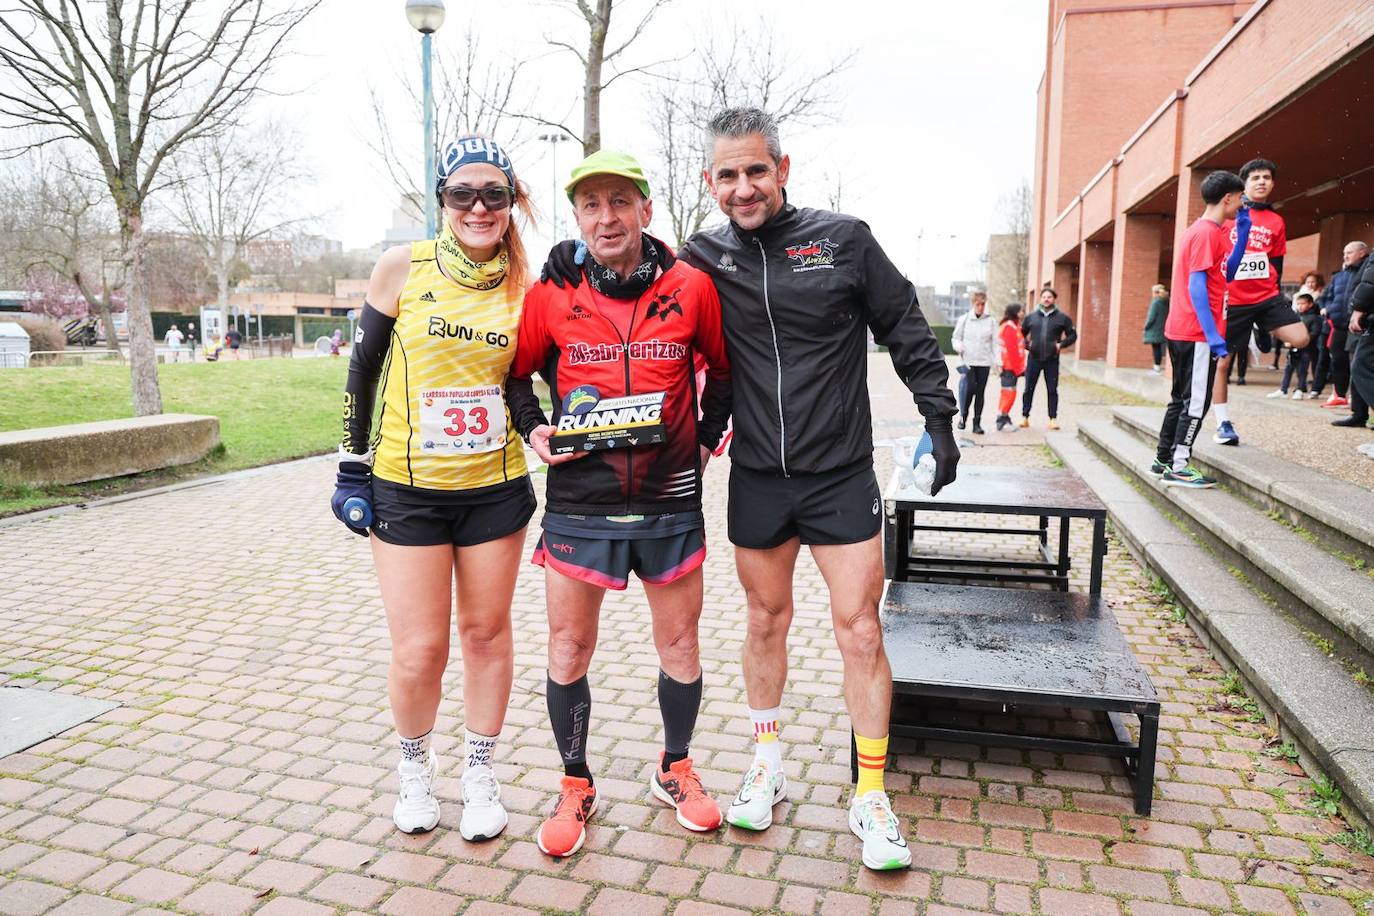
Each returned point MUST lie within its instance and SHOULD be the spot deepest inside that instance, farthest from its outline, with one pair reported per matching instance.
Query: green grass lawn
(269, 410)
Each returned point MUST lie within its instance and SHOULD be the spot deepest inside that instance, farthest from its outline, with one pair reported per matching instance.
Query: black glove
(944, 450)
(355, 479)
(564, 264)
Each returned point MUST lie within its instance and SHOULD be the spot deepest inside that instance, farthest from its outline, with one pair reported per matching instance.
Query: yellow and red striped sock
(872, 764)
(766, 747)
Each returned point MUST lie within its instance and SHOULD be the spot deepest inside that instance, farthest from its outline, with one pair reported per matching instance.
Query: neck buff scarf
(463, 269)
(609, 283)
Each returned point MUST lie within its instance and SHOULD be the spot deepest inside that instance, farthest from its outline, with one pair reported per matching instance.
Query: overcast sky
(935, 119)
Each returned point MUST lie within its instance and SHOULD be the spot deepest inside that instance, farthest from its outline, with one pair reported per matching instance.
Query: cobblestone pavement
(249, 765)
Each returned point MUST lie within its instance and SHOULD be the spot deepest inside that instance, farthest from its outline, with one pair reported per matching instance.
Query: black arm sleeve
(895, 317)
(523, 404)
(1278, 269)
(371, 343)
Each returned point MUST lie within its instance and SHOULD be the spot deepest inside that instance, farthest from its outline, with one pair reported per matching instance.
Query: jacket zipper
(625, 358)
(782, 423)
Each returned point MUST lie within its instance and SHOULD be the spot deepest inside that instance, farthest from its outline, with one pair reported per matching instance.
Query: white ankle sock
(478, 748)
(414, 748)
(766, 730)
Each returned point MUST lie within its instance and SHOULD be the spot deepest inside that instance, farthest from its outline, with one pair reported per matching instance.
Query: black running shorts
(1268, 316)
(838, 507)
(607, 561)
(417, 517)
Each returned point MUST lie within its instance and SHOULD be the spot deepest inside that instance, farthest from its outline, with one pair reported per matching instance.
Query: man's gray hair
(741, 122)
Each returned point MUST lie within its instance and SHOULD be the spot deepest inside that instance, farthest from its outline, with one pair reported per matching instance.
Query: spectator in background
(213, 347)
(1154, 324)
(191, 339)
(1300, 359)
(173, 339)
(1046, 332)
(975, 340)
(1012, 358)
(1334, 304)
(1362, 363)
(335, 342)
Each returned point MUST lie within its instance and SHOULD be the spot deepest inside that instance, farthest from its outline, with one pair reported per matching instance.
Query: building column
(1094, 299)
(1135, 268)
(1065, 273)
(1338, 230)
(1189, 205)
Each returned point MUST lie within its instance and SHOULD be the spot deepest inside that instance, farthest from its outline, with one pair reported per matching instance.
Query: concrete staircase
(1273, 568)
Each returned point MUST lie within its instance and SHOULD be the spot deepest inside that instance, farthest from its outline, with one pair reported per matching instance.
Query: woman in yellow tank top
(443, 484)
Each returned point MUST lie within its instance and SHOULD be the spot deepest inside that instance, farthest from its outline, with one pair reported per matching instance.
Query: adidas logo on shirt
(427, 297)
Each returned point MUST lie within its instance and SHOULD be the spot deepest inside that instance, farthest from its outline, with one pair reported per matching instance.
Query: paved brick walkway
(249, 765)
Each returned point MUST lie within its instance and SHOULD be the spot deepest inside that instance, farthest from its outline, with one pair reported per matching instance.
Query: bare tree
(64, 236)
(599, 54)
(473, 95)
(1015, 209)
(235, 188)
(134, 81)
(729, 73)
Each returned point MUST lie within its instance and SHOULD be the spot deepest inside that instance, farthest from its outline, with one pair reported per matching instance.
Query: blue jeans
(1034, 368)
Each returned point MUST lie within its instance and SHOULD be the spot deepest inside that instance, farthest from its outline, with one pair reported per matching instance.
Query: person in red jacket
(619, 354)
(1013, 364)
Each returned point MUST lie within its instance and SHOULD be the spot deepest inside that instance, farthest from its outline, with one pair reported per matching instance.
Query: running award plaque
(589, 423)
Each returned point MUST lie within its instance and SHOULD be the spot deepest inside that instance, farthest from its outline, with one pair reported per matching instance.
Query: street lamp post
(554, 139)
(425, 16)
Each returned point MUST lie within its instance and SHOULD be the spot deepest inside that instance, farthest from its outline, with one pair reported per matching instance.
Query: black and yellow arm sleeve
(371, 343)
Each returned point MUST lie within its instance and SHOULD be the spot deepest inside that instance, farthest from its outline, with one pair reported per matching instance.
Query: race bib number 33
(462, 421)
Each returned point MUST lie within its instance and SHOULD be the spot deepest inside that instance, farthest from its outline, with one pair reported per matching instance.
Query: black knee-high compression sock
(570, 708)
(679, 704)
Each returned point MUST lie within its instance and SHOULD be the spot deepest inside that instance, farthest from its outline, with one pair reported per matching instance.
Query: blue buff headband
(465, 150)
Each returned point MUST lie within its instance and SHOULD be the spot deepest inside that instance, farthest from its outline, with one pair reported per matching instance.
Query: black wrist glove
(564, 264)
(354, 480)
(944, 450)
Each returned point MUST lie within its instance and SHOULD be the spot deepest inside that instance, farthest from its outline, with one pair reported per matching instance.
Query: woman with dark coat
(1154, 324)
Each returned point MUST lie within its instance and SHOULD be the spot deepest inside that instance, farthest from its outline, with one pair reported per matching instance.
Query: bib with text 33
(462, 421)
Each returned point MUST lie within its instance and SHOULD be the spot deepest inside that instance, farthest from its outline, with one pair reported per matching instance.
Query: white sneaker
(752, 807)
(417, 810)
(483, 815)
(1313, 395)
(1297, 395)
(1280, 393)
(871, 820)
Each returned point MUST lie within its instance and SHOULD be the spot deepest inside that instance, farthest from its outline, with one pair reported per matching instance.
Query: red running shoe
(566, 828)
(1337, 401)
(681, 788)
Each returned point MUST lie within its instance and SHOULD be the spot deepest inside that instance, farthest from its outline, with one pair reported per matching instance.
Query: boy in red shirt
(1196, 327)
(1252, 296)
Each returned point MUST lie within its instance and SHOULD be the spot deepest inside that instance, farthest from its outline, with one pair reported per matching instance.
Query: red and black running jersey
(1256, 279)
(566, 337)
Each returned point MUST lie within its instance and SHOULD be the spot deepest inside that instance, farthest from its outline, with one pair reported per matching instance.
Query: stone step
(1309, 697)
(1339, 514)
(1327, 596)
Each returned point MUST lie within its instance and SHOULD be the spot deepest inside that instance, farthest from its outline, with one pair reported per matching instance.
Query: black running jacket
(796, 296)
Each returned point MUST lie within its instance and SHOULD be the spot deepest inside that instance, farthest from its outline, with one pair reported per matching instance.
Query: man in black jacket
(799, 288)
(1047, 331)
(1362, 364)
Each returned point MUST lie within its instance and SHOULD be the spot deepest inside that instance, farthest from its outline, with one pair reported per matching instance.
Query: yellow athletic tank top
(444, 424)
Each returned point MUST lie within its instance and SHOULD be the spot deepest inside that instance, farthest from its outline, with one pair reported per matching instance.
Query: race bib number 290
(1255, 266)
(462, 421)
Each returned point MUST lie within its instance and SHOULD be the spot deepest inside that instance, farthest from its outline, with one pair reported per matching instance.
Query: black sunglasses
(461, 197)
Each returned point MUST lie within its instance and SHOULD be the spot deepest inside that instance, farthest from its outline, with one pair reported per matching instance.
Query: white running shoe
(871, 820)
(1297, 395)
(417, 810)
(1278, 393)
(752, 807)
(484, 817)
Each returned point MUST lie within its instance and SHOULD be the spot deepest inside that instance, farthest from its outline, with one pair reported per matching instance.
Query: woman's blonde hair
(519, 271)
(1159, 290)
